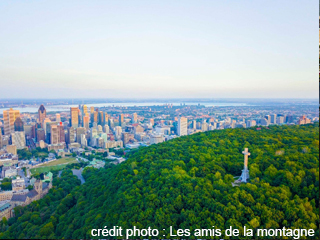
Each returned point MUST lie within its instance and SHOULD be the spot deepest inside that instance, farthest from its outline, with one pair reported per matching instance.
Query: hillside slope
(186, 183)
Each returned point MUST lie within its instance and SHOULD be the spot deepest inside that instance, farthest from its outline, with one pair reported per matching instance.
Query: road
(78, 174)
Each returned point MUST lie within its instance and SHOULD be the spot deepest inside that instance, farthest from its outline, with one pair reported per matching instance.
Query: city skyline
(163, 50)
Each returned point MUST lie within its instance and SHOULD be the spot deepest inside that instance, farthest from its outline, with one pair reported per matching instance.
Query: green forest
(186, 183)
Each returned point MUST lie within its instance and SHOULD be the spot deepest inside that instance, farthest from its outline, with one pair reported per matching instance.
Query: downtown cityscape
(106, 134)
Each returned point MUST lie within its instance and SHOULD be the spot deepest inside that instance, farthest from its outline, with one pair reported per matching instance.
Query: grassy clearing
(54, 165)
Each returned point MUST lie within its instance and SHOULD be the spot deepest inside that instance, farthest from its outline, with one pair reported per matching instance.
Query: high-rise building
(106, 118)
(42, 113)
(1, 139)
(106, 129)
(74, 115)
(86, 121)
(280, 120)
(71, 132)
(102, 118)
(111, 123)
(118, 130)
(124, 138)
(62, 135)
(94, 117)
(84, 110)
(273, 118)
(44, 124)
(93, 135)
(80, 131)
(18, 139)
(182, 128)
(41, 135)
(194, 124)
(91, 110)
(121, 119)
(151, 121)
(134, 118)
(268, 118)
(54, 134)
(9, 116)
(11, 149)
(83, 140)
(58, 117)
(99, 129)
(18, 125)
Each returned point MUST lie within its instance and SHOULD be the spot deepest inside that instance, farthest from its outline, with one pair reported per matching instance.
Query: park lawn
(54, 165)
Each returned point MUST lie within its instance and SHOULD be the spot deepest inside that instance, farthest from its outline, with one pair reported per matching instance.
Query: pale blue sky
(115, 49)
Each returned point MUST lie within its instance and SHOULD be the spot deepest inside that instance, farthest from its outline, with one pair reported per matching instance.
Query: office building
(86, 121)
(118, 130)
(84, 110)
(62, 134)
(83, 140)
(18, 139)
(58, 117)
(9, 117)
(54, 137)
(101, 118)
(42, 114)
(268, 118)
(44, 124)
(182, 128)
(1, 144)
(11, 149)
(91, 110)
(18, 125)
(273, 118)
(41, 136)
(74, 117)
(121, 120)
(80, 131)
(134, 118)
(124, 138)
(71, 137)
(106, 129)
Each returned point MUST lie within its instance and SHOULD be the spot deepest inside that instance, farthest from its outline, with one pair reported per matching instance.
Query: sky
(159, 49)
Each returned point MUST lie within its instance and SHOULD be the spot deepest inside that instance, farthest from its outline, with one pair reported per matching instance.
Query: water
(64, 108)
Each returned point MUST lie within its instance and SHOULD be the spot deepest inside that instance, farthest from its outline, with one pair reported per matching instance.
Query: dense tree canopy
(186, 183)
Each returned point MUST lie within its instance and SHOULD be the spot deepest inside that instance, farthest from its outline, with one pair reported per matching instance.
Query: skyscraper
(94, 117)
(182, 126)
(91, 109)
(80, 131)
(41, 135)
(194, 124)
(134, 117)
(0, 139)
(274, 118)
(101, 118)
(44, 124)
(62, 135)
(58, 118)
(121, 120)
(18, 125)
(42, 114)
(18, 139)
(74, 114)
(54, 134)
(84, 110)
(86, 121)
(71, 132)
(9, 116)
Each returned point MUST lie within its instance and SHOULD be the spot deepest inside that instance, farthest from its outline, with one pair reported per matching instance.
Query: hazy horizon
(163, 50)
